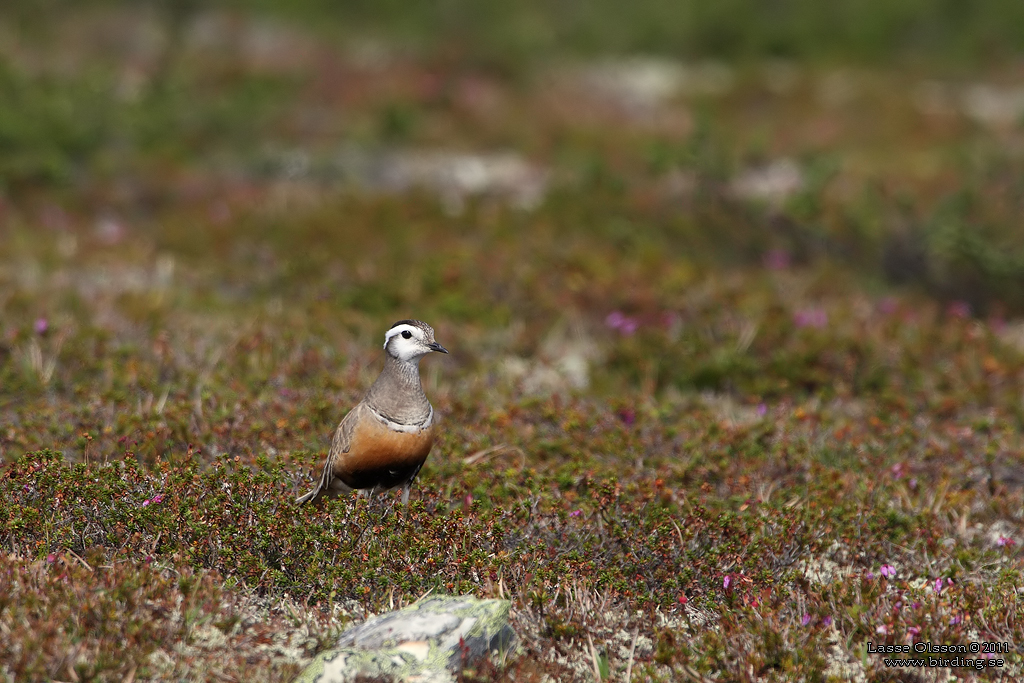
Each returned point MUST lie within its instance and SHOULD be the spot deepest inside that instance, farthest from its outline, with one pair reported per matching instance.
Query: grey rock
(424, 643)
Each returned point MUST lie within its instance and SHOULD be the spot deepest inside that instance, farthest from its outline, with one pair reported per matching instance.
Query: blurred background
(576, 195)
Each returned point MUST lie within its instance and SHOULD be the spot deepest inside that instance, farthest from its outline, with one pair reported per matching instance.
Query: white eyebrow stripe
(396, 330)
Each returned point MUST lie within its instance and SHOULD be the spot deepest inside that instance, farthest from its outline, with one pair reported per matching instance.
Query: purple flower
(158, 498)
(726, 581)
(898, 470)
(777, 259)
(959, 309)
(826, 621)
(806, 619)
(51, 558)
(888, 571)
(1005, 541)
(762, 410)
(622, 323)
(913, 631)
(811, 317)
(576, 513)
(627, 415)
(871, 576)
(145, 503)
(955, 620)
(41, 326)
(937, 586)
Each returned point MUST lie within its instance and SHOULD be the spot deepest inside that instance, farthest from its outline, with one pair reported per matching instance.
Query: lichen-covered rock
(424, 643)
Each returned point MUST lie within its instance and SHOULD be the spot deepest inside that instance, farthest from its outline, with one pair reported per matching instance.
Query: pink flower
(777, 259)
(726, 581)
(888, 571)
(51, 558)
(811, 317)
(959, 309)
(937, 586)
(158, 498)
(898, 470)
(41, 326)
(882, 630)
(1004, 541)
(576, 513)
(671, 319)
(806, 619)
(913, 631)
(887, 305)
(622, 323)
(762, 410)
(826, 621)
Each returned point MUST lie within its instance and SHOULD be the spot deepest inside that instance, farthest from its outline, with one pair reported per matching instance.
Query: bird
(384, 440)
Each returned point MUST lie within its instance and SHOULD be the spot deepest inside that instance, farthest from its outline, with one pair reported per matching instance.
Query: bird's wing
(340, 444)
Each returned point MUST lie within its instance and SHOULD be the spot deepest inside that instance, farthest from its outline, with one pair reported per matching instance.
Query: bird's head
(410, 340)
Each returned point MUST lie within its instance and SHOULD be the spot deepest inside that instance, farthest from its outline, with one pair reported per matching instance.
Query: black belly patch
(380, 477)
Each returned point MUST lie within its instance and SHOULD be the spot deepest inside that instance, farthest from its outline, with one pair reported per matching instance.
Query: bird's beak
(434, 346)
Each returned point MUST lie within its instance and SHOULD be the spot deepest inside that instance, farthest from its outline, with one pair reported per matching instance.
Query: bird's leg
(369, 504)
(390, 504)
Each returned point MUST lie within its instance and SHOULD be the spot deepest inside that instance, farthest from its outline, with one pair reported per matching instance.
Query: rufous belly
(381, 458)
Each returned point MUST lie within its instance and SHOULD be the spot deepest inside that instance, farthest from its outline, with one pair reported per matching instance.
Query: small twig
(632, 650)
(693, 675)
(487, 453)
(83, 562)
(678, 531)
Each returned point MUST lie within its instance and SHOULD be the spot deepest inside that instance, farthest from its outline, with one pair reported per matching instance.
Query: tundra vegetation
(732, 296)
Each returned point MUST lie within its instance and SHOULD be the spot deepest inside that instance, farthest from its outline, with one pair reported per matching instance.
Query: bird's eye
(406, 334)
